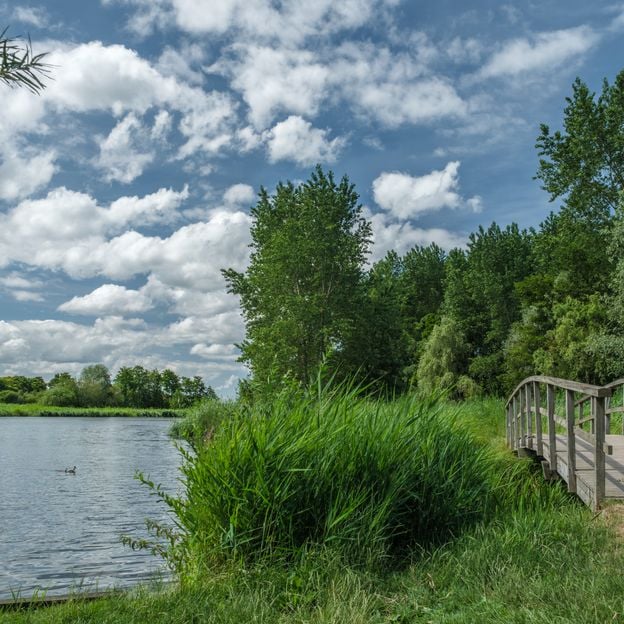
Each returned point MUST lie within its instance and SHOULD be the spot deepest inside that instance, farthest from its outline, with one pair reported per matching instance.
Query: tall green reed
(371, 479)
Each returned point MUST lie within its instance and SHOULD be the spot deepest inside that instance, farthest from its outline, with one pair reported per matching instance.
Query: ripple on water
(61, 531)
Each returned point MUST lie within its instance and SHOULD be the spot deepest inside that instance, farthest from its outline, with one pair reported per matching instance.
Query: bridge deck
(614, 464)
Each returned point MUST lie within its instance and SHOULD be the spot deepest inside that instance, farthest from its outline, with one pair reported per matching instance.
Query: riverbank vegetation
(36, 409)
(510, 560)
(132, 388)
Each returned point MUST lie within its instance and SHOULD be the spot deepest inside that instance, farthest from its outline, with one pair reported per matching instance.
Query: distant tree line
(132, 387)
(512, 303)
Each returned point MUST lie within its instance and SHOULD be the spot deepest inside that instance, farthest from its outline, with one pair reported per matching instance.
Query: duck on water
(71, 470)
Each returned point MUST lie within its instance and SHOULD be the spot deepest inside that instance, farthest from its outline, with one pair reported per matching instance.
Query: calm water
(59, 531)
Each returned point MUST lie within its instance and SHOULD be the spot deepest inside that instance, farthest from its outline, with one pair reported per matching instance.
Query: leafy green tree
(377, 353)
(584, 163)
(94, 386)
(19, 66)
(304, 280)
(481, 296)
(443, 360)
(62, 391)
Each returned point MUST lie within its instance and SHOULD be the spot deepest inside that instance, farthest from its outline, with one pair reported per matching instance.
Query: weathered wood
(514, 425)
(598, 407)
(538, 418)
(571, 440)
(565, 384)
(552, 431)
(528, 402)
(522, 442)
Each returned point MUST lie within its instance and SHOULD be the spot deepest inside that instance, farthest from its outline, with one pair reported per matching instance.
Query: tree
(94, 386)
(443, 361)
(480, 295)
(304, 280)
(19, 66)
(584, 163)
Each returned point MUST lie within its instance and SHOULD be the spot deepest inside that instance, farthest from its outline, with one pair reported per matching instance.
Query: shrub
(9, 396)
(370, 479)
(202, 420)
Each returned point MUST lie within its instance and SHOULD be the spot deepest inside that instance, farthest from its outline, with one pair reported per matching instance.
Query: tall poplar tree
(304, 284)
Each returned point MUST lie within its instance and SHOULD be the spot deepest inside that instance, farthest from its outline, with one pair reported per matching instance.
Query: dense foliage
(134, 387)
(475, 320)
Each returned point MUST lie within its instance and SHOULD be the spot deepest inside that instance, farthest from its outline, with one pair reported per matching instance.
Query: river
(60, 531)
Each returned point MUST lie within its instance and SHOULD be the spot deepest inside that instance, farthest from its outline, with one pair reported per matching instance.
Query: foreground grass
(547, 559)
(36, 409)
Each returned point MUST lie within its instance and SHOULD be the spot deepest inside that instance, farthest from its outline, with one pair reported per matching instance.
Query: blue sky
(126, 186)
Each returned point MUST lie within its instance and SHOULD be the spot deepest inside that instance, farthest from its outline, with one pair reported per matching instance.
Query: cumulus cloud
(295, 139)
(238, 194)
(292, 22)
(393, 88)
(45, 347)
(108, 300)
(35, 16)
(95, 77)
(119, 154)
(406, 196)
(401, 236)
(272, 81)
(21, 177)
(70, 231)
(541, 52)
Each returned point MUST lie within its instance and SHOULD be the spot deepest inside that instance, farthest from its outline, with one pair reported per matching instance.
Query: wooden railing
(538, 428)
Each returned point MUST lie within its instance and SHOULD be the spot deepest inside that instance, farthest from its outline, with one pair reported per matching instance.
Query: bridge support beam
(571, 441)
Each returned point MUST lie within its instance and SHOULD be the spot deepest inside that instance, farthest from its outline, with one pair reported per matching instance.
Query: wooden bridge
(568, 426)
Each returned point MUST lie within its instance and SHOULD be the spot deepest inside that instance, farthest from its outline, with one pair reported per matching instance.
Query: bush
(9, 396)
(202, 420)
(371, 479)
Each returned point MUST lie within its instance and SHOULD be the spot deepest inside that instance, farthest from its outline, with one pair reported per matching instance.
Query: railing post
(598, 407)
(522, 442)
(571, 441)
(529, 415)
(552, 431)
(607, 416)
(508, 426)
(516, 425)
(538, 418)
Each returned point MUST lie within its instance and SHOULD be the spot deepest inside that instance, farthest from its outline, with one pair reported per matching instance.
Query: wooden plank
(565, 384)
(528, 402)
(598, 407)
(538, 418)
(522, 421)
(571, 441)
(552, 432)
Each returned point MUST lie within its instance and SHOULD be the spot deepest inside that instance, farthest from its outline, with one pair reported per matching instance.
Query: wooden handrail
(524, 409)
(565, 384)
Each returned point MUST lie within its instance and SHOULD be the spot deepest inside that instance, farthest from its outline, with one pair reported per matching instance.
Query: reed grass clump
(370, 479)
(202, 420)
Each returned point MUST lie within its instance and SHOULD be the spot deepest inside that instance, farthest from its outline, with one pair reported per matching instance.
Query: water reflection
(60, 530)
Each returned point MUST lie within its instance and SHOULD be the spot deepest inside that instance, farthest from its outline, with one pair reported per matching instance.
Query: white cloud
(215, 351)
(35, 16)
(292, 21)
(272, 81)
(542, 52)
(119, 154)
(393, 88)
(295, 139)
(406, 196)
(402, 236)
(45, 347)
(108, 300)
(21, 177)
(239, 194)
(26, 295)
(95, 77)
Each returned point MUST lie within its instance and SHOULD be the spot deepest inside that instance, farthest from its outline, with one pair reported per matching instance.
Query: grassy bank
(35, 409)
(530, 552)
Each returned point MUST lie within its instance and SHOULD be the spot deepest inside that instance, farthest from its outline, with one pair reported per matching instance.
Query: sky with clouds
(126, 186)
